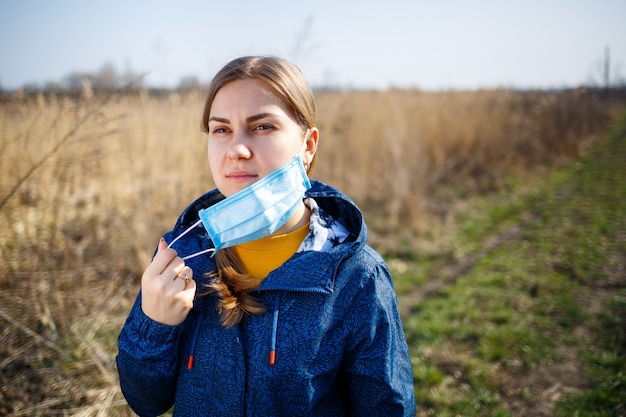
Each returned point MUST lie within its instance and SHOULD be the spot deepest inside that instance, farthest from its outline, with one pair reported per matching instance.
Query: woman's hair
(229, 280)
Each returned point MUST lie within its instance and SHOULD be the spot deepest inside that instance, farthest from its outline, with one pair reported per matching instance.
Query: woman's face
(251, 134)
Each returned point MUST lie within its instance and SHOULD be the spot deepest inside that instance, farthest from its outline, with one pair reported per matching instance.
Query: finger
(182, 268)
(185, 275)
(162, 259)
(162, 244)
(188, 292)
(190, 289)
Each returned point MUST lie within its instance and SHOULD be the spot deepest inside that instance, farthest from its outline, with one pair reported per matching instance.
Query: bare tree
(189, 83)
(106, 79)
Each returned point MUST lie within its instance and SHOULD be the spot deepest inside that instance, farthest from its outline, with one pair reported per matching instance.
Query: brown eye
(264, 127)
(219, 130)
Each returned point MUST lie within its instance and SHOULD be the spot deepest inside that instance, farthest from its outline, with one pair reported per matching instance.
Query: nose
(239, 148)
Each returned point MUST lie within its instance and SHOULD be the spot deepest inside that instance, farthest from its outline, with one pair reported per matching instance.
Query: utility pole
(607, 66)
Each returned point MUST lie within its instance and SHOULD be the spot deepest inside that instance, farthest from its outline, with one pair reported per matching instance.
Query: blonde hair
(229, 280)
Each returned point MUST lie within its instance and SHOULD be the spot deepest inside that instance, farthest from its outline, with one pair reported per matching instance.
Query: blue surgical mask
(258, 210)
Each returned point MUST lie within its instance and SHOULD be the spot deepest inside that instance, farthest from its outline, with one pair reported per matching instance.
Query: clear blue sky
(421, 43)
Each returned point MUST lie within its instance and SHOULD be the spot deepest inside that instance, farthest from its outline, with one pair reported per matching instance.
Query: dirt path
(547, 383)
(447, 271)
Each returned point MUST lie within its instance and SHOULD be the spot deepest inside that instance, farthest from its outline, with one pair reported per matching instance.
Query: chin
(228, 191)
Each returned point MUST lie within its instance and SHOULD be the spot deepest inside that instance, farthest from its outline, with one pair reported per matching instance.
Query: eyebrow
(218, 119)
(250, 119)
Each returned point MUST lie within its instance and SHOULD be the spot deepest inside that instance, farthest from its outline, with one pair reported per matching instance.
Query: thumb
(162, 245)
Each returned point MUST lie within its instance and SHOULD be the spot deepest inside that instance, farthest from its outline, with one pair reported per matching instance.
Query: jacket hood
(342, 208)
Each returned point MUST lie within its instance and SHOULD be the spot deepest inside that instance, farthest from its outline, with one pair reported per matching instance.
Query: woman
(265, 300)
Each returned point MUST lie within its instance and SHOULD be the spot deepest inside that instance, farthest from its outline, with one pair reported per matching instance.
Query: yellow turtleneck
(262, 256)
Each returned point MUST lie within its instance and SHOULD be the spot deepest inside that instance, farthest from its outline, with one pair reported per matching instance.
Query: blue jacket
(331, 318)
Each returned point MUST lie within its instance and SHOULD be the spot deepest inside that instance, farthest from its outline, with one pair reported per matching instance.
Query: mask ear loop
(184, 233)
(302, 146)
(193, 255)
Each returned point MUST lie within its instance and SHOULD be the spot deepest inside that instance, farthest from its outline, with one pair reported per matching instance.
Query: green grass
(545, 309)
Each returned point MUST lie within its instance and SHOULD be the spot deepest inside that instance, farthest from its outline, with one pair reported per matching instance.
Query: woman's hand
(166, 296)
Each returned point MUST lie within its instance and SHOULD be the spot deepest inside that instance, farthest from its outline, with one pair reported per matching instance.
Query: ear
(311, 146)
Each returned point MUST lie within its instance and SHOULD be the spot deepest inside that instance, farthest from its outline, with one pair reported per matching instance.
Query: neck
(298, 220)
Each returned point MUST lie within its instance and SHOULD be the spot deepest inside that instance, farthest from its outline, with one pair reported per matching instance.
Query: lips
(241, 176)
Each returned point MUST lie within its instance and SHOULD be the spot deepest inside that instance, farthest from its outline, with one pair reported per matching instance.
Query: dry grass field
(87, 187)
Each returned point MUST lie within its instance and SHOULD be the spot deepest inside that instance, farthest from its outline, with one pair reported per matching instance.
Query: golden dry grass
(88, 186)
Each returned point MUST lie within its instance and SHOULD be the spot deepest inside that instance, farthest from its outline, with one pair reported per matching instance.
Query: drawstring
(274, 329)
(192, 350)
